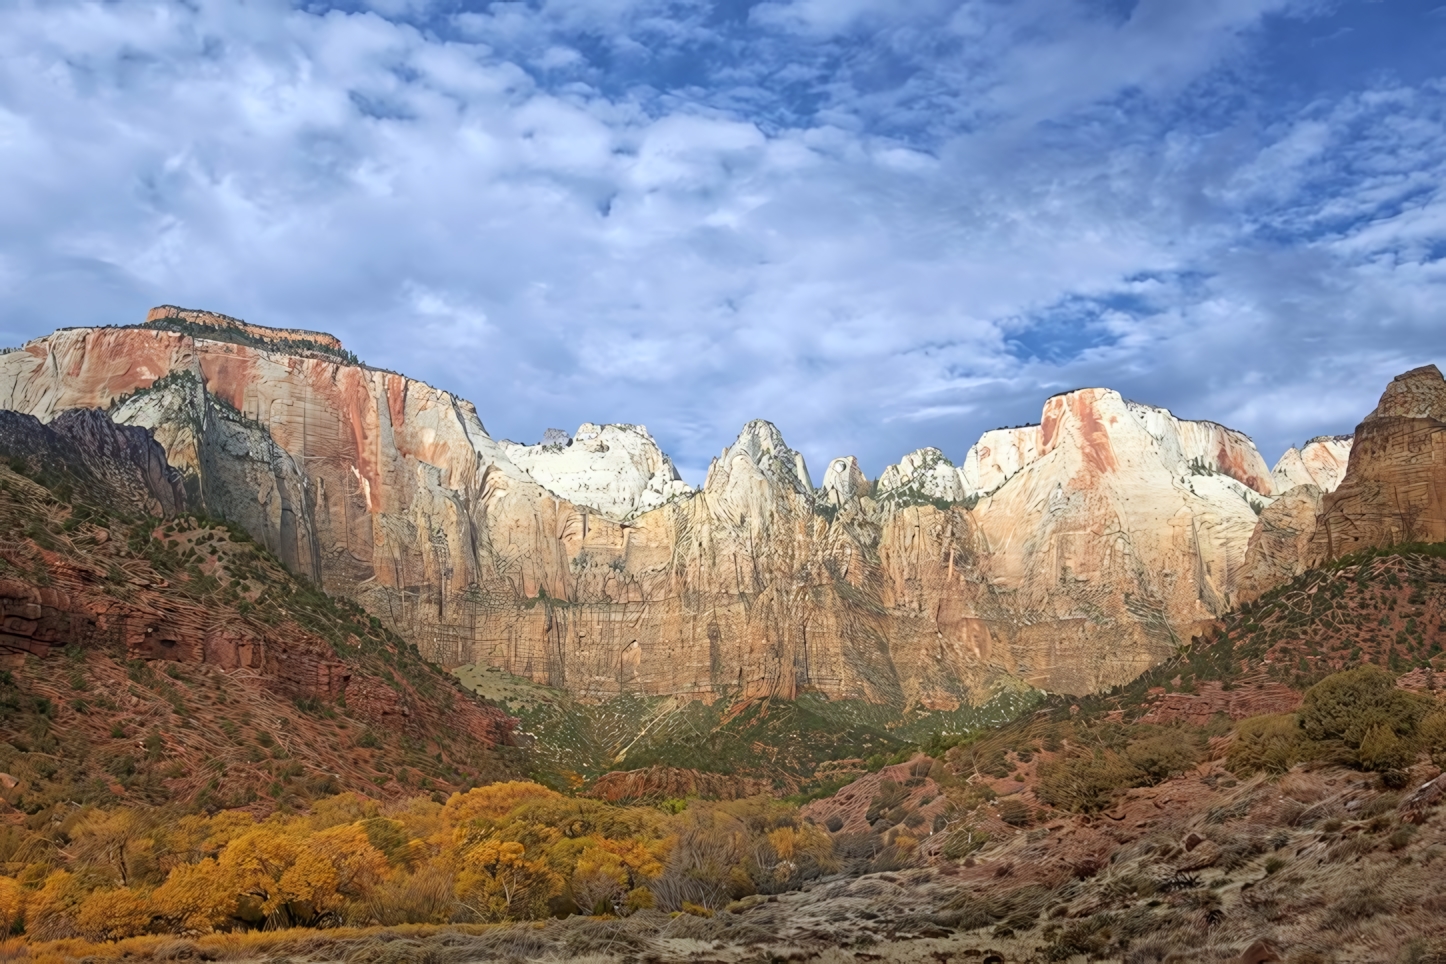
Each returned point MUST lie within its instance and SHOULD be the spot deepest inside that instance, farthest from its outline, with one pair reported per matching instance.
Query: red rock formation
(1394, 490)
(225, 323)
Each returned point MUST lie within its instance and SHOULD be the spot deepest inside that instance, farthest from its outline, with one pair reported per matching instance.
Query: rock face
(1128, 518)
(114, 465)
(1108, 532)
(617, 470)
(1321, 462)
(1394, 489)
(1280, 544)
(922, 474)
(844, 481)
(997, 457)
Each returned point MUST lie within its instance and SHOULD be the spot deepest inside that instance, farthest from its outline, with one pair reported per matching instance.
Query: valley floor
(1317, 865)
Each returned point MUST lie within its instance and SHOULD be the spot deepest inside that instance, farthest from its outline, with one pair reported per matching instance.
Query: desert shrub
(1087, 783)
(107, 915)
(424, 897)
(1356, 906)
(1272, 744)
(963, 841)
(1402, 836)
(1014, 812)
(1363, 709)
(1162, 752)
(1431, 734)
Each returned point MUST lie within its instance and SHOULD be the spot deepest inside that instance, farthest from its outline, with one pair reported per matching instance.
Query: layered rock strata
(1394, 489)
(1109, 533)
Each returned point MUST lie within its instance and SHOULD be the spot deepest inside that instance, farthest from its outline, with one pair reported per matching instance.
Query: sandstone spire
(844, 481)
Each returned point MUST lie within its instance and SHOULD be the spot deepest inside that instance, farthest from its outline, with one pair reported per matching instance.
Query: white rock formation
(996, 457)
(1126, 510)
(618, 470)
(1320, 462)
(924, 473)
(844, 481)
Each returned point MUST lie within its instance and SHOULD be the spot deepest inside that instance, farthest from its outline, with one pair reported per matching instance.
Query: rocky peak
(997, 456)
(1418, 393)
(923, 473)
(1392, 491)
(762, 447)
(1203, 447)
(844, 481)
(1321, 462)
(617, 470)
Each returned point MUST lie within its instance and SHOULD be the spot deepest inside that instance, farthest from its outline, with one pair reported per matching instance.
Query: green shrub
(1347, 705)
(1087, 783)
(1162, 753)
(1272, 744)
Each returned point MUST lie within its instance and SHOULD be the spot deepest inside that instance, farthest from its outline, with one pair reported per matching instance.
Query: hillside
(172, 661)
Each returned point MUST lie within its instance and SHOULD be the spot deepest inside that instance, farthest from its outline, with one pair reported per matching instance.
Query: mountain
(153, 656)
(1393, 489)
(1068, 556)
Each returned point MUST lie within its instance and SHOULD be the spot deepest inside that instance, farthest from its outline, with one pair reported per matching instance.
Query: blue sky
(880, 224)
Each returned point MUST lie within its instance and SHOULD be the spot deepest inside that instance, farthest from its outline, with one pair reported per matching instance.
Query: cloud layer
(879, 225)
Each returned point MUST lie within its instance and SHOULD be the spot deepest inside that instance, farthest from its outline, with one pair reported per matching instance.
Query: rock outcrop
(1128, 518)
(924, 474)
(844, 481)
(114, 465)
(617, 470)
(1108, 532)
(997, 457)
(1280, 544)
(1394, 489)
(1321, 462)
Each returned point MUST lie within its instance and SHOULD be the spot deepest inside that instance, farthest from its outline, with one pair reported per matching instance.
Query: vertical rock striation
(1101, 537)
(1394, 489)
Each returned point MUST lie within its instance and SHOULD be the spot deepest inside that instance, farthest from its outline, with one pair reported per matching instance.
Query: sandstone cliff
(1394, 489)
(1321, 462)
(1112, 528)
(1129, 526)
(1280, 544)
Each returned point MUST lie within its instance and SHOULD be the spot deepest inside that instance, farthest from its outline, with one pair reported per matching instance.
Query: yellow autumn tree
(251, 868)
(12, 904)
(109, 915)
(498, 882)
(598, 879)
(494, 801)
(195, 897)
(50, 911)
(335, 866)
(119, 841)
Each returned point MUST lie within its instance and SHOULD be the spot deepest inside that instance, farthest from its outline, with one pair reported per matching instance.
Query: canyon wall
(1070, 555)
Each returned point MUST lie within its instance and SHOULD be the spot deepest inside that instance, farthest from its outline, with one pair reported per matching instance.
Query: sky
(880, 224)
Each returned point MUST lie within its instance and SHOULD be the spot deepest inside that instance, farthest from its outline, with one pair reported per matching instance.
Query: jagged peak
(763, 444)
(617, 470)
(924, 473)
(1418, 393)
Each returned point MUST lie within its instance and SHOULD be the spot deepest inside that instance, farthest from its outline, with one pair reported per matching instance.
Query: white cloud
(880, 225)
